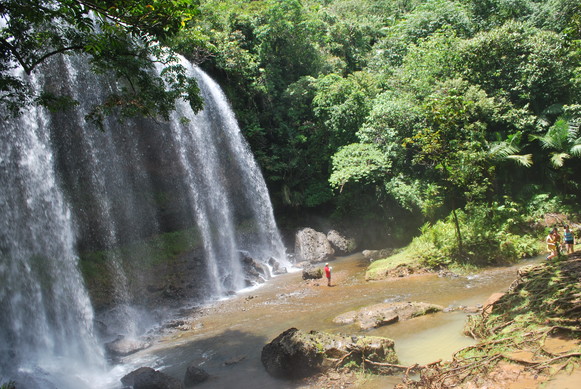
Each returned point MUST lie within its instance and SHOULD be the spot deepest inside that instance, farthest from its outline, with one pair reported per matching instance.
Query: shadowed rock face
(298, 354)
(343, 245)
(379, 315)
(291, 355)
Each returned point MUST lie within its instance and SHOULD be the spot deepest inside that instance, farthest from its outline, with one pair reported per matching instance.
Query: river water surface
(226, 338)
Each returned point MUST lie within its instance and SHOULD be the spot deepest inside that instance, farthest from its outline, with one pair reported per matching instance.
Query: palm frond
(501, 150)
(558, 159)
(523, 160)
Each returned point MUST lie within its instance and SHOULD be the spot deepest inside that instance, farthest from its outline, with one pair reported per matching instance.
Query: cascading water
(225, 186)
(47, 320)
(188, 191)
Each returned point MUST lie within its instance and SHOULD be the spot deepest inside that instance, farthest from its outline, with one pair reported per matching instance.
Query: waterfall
(47, 319)
(145, 213)
(221, 172)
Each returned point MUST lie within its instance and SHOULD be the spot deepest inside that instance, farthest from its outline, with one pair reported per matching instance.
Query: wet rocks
(277, 269)
(312, 273)
(291, 355)
(299, 354)
(255, 272)
(379, 315)
(194, 375)
(148, 378)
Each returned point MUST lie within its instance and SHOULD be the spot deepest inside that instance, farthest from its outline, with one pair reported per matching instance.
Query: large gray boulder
(379, 315)
(342, 244)
(298, 354)
(313, 246)
(148, 378)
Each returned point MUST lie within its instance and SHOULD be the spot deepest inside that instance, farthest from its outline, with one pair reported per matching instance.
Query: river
(226, 338)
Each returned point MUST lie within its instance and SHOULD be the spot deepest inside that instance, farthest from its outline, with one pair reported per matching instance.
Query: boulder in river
(255, 272)
(379, 315)
(312, 273)
(148, 378)
(299, 354)
(313, 246)
(194, 375)
(342, 244)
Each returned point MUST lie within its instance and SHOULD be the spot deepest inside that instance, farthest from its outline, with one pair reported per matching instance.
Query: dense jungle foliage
(459, 119)
(401, 113)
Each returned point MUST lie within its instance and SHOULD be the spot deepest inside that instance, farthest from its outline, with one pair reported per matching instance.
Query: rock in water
(298, 354)
(382, 314)
(312, 273)
(148, 378)
(195, 375)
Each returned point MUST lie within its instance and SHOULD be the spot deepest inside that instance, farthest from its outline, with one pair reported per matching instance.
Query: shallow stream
(226, 338)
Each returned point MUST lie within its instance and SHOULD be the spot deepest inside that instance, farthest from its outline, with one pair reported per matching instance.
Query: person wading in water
(328, 274)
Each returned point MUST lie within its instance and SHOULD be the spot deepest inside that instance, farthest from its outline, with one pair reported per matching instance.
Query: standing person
(552, 241)
(558, 240)
(569, 240)
(328, 274)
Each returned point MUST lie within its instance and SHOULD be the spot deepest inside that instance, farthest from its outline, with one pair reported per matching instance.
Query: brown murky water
(228, 338)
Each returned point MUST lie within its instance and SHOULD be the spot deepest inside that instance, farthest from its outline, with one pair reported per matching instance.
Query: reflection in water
(237, 329)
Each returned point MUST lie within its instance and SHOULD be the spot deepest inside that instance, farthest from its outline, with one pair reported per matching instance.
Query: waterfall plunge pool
(226, 337)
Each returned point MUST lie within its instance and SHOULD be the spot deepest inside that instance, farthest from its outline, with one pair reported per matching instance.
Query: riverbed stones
(312, 246)
(277, 269)
(312, 273)
(255, 272)
(148, 378)
(379, 315)
(298, 354)
(194, 375)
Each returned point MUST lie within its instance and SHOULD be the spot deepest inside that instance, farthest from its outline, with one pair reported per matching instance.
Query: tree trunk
(458, 233)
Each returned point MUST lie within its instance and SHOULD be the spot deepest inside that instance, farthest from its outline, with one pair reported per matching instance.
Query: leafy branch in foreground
(121, 38)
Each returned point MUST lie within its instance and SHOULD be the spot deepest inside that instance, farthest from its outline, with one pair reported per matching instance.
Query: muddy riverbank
(226, 337)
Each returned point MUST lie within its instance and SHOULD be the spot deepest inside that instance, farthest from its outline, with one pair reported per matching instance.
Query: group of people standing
(553, 241)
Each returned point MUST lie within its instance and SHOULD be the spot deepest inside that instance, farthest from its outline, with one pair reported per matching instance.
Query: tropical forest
(176, 173)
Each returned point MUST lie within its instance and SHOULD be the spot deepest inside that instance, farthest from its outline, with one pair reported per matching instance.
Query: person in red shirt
(328, 274)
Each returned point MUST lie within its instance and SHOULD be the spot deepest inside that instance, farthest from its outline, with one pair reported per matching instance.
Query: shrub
(491, 234)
